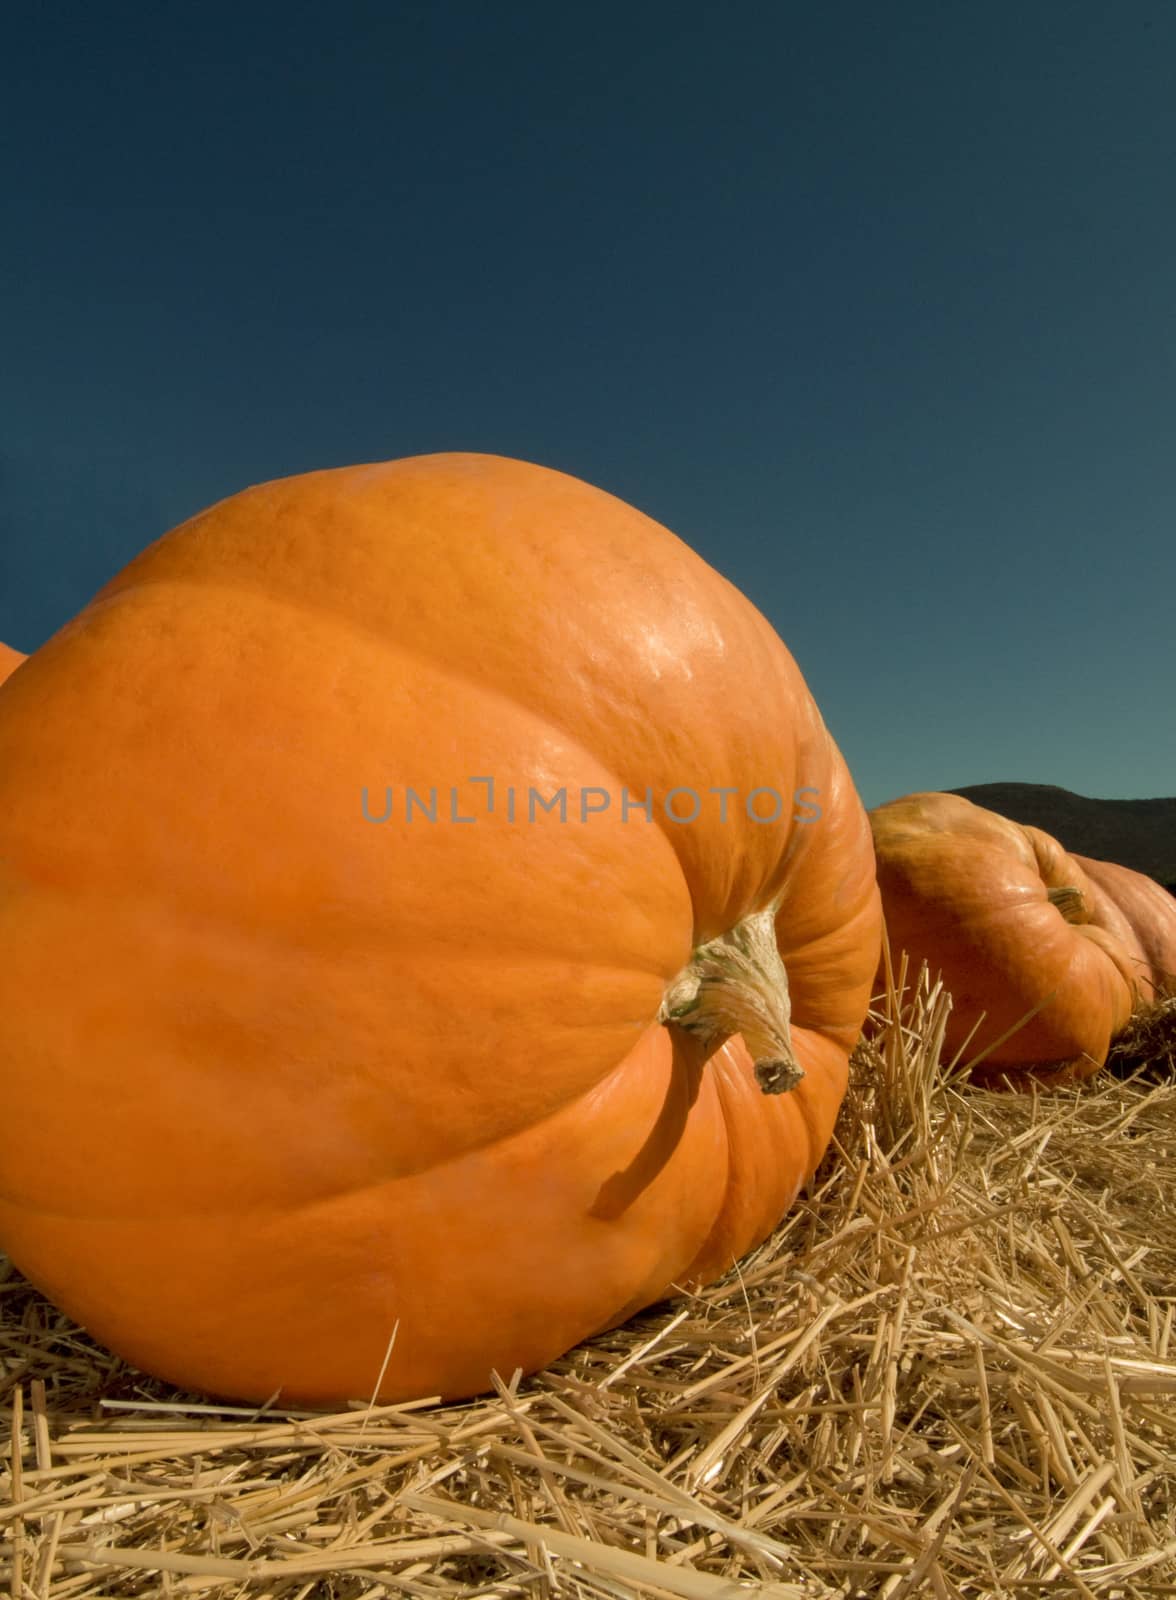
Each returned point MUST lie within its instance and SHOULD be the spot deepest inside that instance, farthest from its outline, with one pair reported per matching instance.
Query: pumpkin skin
(10, 659)
(969, 892)
(1142, 915)
(287, 1087)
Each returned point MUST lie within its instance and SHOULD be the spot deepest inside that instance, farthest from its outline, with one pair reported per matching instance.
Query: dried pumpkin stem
(737, 984)
(1071, 902)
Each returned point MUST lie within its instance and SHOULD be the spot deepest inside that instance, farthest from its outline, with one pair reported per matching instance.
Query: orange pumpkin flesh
(286, 1088)
(1014, 925)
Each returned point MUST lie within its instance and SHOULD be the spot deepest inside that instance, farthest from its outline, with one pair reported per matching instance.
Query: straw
(951, 1372)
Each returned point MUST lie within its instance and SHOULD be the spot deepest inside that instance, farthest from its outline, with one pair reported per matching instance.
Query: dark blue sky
(873, 304)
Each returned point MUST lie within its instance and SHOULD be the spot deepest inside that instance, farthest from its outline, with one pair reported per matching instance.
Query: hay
(951, 1372)
(1148, 1044)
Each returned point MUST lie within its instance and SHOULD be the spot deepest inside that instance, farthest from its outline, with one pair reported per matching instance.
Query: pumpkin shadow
(617, 1194)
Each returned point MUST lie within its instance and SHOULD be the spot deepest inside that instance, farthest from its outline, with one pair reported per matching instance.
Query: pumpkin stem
(737, 984)
(1071, 902)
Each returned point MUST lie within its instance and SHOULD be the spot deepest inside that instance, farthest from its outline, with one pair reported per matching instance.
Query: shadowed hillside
(1136, 833)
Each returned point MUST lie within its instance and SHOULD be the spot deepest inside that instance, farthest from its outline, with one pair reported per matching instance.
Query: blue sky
(874, 305)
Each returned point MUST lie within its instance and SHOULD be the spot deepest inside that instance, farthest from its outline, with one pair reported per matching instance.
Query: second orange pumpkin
(1020, 929)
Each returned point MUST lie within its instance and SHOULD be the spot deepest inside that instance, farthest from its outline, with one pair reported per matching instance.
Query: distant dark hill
(1135, 833)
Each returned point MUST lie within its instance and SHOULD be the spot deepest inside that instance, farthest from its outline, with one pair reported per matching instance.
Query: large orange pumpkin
(10, 659)
(291, 1090)
(1017, 929)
